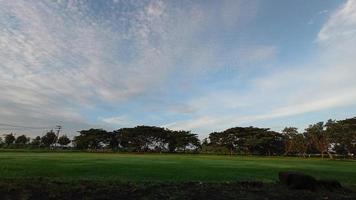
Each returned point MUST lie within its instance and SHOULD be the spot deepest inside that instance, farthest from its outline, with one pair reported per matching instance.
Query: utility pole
(58, 129)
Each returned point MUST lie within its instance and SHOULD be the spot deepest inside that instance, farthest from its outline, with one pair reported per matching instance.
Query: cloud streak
(326, 82)
(184, 64)
(56, 58)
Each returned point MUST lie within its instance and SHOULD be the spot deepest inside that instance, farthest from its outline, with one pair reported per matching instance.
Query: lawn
(166, 167)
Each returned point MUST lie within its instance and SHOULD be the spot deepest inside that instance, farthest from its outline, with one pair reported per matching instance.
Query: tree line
(137, 139)
(332, 137)
(329, 138)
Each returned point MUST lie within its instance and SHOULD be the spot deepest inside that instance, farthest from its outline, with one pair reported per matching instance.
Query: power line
(17, 129)
(58, 129)
(25, 127)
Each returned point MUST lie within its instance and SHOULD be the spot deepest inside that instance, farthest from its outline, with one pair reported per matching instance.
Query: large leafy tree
(22, 139)
(9, 139)
(91, 139)
(227, 139)
(63, 140)
(49, 139)
(319, 138)
(343, 135)
(289, 134)
(151, 138)
(294, 142)
(248, 140)
(181, 140)
(36, 141)
(136, 139)
(300, 144)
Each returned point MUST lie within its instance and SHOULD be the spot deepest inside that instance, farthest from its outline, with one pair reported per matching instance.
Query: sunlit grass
(166, 167)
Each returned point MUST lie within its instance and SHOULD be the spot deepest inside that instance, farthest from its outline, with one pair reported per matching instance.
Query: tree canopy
(332, 137)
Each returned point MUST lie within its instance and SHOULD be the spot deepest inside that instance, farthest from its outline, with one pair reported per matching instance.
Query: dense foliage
(249, 140)
(138, 139)
(332, 137)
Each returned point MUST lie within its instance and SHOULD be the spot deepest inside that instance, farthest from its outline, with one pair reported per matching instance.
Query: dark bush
(296, 180)
(330, 185)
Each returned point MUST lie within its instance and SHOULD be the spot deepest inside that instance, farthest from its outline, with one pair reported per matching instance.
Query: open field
(166, 167)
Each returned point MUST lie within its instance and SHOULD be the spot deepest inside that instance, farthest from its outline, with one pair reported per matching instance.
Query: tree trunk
(330, 155)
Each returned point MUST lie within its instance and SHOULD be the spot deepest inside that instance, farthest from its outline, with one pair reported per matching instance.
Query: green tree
(319, 138)
(49, 139)
(182, 140)
(250, 140)
(343, 135)
(22, 140)
(36, 141)
(300, 144)
(9, 139)
(228, 139)
(63, 140)
(151, 138)
(134, 139)
(91, 139)
(288, 135)
(1, 142)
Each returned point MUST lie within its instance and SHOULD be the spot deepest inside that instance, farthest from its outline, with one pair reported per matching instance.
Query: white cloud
(215, 122)
(341, 24)
(203, 122)
(58, 59)
(120, 121)
(255, 54)
(323, 12)
(324, 83)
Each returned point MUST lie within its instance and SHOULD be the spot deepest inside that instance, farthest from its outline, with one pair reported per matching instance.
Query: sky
(198, 65)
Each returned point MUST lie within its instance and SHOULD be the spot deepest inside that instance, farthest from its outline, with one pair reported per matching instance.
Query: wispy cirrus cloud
(58, 58)
(187, 65)
(324, 83)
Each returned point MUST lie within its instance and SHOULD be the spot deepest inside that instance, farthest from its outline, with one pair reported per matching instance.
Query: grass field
(166, 167)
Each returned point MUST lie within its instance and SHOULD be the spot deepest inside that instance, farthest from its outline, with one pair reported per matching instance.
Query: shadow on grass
(53, 189)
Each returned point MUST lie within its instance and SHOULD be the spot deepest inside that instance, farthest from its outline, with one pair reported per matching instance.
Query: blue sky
(195, 65)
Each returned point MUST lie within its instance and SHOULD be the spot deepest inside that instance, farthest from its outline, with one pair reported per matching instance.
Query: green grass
(166, 167)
